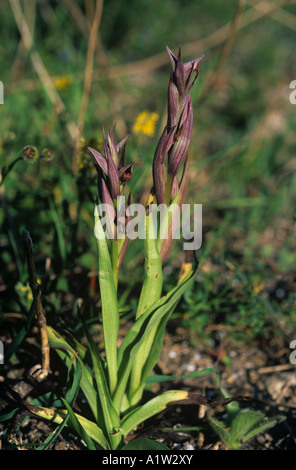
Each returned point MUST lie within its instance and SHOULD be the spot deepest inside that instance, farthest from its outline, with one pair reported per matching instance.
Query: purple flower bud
(180, 74)
(113, 175)
(113, 178)
(108, 205)
(181, 139)
(125, 173)
(174, 141)
(172, 104)
(100, 161)
(188, 68)
(113, 147)
(109, 167)
(159, 168)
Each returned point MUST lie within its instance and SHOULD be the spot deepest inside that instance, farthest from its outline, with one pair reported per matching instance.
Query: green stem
(168, 189)
(7, 169)
(114, 261)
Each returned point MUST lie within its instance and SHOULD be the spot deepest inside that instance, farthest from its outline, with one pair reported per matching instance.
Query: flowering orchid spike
(113, 178)
(121, 144)
(100, 161)
(175, 139)
(159, 168)
(182, 139)
(110, 166)
(188, 67)
(106, 199)
(125, 173)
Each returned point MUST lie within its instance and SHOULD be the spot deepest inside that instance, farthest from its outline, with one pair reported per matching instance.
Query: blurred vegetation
(242, 155)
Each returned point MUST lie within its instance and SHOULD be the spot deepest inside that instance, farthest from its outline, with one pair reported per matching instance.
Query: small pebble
(172, 354)
(189, 447)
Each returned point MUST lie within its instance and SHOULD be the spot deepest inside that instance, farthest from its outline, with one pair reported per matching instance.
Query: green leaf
(19, 338)
(71, 394)
(110, 312)
(167, 378)
(78, 427)
(153, 350)
(111, 417)
(140, 329)
(232, 408)
(58, 416)
(221, 430)
(151, 292)
(144, 444)
(265, 424)
(152, 285)
(151, 408)
(244, 422)
(246, 425)
(66, 353)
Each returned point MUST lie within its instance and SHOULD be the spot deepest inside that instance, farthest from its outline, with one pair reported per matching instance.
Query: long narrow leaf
(111, 417)
(151, 408)
(151, 292)
(71, 394)
(66, 353)
(139, 331)
(168, 378)
(78, 428)
(152, 285)
(19, 338)
(94, 432)
(110, 313)
(155, 347)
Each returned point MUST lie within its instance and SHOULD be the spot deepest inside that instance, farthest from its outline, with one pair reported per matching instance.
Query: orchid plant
(113, 383)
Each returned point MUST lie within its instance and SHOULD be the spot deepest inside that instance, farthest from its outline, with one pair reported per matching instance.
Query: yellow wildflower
(145, 123)
(62, 82)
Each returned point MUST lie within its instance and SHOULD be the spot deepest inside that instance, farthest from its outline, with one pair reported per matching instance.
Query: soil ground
(260, 371)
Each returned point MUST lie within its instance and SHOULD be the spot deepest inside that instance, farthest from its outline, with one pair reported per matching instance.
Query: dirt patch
(266, 380)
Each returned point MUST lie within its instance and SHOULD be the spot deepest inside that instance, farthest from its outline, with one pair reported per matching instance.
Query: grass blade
(70, 397)
(78, 427)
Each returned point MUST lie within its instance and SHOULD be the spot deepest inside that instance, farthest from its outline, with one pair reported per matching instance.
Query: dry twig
(39, 373)
(38, 65)
(87, 78)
